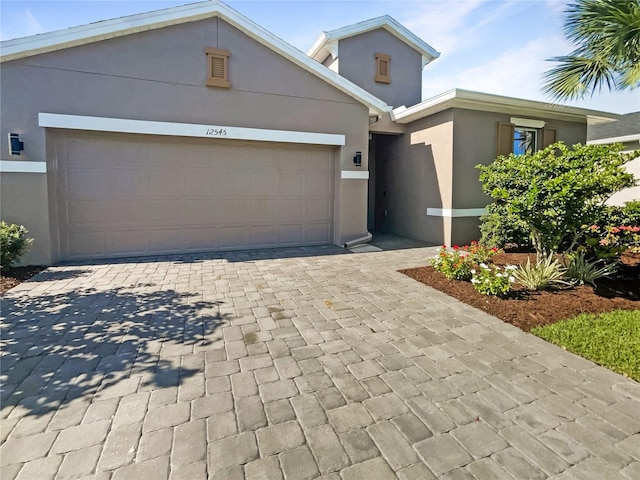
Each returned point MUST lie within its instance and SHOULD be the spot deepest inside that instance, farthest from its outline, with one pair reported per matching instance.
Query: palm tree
(607, 36)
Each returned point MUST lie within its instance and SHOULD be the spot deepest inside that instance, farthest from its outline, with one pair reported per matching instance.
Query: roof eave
(470, 100)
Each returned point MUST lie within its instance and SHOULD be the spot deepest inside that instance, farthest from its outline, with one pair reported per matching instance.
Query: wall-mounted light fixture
(15, 145)
(357, 160)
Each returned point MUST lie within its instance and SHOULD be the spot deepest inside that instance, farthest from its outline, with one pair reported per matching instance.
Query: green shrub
(499, 228)
(628, 214)
(13, 244)
(492, 280)
(580, 270)
(546, 273)
(556, 190)
(455, 265)
(610, 339)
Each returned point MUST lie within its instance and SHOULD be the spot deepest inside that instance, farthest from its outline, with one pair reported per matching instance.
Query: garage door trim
(122, 125)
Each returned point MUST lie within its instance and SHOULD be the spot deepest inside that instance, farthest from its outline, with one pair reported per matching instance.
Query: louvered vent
(382, 68)
(218, 62)
(217, 67)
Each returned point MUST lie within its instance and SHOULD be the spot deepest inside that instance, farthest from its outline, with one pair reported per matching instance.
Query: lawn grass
(609, 339)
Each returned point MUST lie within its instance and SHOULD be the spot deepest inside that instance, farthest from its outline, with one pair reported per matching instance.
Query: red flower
(456, 247)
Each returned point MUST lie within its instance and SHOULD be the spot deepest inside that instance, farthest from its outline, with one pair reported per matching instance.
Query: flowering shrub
(480, 253)
(454, 265)
(492, 280)
(609, 242)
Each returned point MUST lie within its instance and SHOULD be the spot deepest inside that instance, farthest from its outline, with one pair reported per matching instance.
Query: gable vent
(218, 63)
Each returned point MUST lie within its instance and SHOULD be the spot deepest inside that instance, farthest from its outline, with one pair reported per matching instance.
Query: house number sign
(216, 132)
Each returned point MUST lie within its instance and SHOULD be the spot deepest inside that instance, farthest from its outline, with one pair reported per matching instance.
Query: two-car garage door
(124, 194)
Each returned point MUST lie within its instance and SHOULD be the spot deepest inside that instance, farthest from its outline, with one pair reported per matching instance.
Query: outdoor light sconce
(15, 145)
(357, 160)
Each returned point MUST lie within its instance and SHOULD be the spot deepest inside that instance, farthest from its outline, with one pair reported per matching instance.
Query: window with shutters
(382, 68)
(218, 67)
(521, 140)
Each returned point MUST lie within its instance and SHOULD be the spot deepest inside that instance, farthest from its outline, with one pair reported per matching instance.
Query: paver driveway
(295, 363)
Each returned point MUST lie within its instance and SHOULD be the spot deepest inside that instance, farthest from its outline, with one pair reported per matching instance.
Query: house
(626, 131)
(193, 129)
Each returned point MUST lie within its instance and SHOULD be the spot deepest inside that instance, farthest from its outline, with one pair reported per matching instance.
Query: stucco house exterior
(194, 129)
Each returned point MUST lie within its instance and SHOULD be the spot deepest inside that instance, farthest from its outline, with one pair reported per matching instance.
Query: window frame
(217, 54)
(383, 64)
(533, 144)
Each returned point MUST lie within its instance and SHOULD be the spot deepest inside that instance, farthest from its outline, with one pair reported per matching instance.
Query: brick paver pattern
(292, 364)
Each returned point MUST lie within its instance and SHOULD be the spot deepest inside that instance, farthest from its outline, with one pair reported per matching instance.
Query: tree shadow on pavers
(52, 274)
(99, 344)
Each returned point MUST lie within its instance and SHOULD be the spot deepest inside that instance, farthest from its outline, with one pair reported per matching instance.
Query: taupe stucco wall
(432, 166)
(160, 75)
(415, 172)
(475, 142)
(23, 200)
(357, 63)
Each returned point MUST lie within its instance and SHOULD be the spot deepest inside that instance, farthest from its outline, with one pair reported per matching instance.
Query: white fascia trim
(455, 212)
(121, 125)
(527, 122)
(354, 175)
(467, 99)
(48, 42)
(13, 166)
(623, 139)
(318, 49)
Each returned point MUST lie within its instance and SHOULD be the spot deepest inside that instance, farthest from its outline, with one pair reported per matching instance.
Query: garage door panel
(318, 183)
(318, 209)
(263, 236)
(165, 212)
(86, 244)
(200, 212)
(129, 182)
(292, 234)
(264, 182)
(318, 233)
(291, 183)
(133, 195)
(127, 242)
(232, 237)
(263, 210)
(232, 182)
(198, 182)
(291, 209)
(199, 239)
(164, 241)
(171, 182)
(86, 183)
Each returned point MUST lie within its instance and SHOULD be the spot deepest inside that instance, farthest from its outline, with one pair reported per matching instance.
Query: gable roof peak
(119, 27)
(326, 43)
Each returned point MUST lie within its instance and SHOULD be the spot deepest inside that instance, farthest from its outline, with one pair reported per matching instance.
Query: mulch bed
(17, 275)
(527, 310)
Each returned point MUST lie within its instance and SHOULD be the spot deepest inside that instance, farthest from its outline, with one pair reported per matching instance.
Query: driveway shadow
(57, 347)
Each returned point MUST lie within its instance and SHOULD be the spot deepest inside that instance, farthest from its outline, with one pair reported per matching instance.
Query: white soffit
(144, 127)
(118, 27)
(470, 100)
(623, 139)
(326, 43)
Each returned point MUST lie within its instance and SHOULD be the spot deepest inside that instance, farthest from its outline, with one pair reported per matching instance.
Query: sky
(492, 46)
